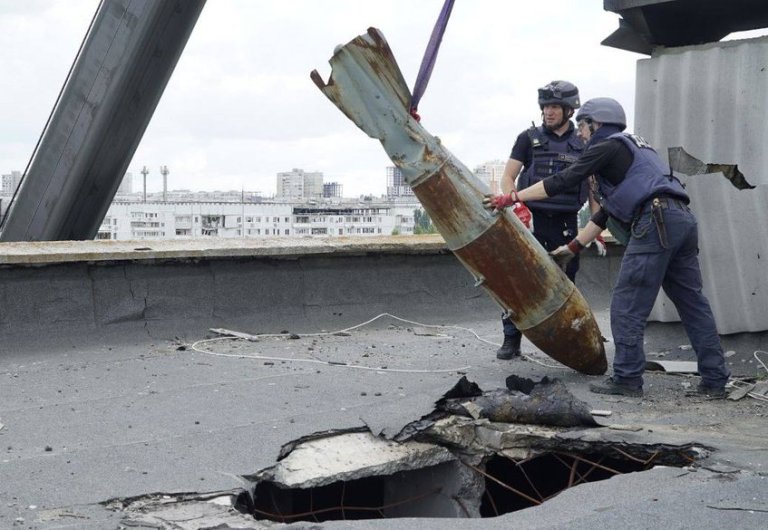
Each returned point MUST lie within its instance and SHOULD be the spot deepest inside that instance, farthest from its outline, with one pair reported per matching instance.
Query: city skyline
(395, 185)
(240, 106)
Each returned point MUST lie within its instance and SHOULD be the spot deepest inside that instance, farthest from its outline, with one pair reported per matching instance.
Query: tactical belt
(665, 201)
(669, 202)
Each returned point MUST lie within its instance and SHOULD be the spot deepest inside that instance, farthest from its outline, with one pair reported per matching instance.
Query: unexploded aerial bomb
(367, 86)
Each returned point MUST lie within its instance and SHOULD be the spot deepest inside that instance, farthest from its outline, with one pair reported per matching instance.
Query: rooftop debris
(367, 86)
(673, 367)
(347, 456)
(546, 402)
(466, 460)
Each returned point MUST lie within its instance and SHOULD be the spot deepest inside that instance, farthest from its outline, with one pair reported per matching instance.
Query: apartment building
(169, 220)
(490, 173)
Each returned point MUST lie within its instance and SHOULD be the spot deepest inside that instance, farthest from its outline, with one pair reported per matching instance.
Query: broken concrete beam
(349, 456)
(506, 260)
(448, 489)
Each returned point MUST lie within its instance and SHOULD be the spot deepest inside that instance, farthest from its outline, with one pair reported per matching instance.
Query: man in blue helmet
(540, 152)
(637, 191)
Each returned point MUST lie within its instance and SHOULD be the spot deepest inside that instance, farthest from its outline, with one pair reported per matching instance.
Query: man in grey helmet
(638, 192)
(541, 152)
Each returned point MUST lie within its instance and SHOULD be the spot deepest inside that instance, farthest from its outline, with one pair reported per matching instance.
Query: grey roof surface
(87, 418)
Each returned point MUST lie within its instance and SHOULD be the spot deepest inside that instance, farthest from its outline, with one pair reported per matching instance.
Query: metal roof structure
(111, 92)
(711, 101)
(649, 24)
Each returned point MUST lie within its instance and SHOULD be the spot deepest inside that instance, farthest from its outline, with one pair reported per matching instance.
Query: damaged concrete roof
(146, 417)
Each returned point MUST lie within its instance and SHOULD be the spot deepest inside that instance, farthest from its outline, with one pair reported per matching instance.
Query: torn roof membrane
(680, 160)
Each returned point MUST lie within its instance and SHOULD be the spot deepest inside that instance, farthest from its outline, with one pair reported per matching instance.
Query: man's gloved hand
(496, 203)
(565, 253)
(600, 246)
(524, 214)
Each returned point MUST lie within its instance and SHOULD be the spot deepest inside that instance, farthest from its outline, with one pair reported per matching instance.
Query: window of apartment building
(104, 235)
(257, 219)
(249, 219)
(287, 232)
(319, 231)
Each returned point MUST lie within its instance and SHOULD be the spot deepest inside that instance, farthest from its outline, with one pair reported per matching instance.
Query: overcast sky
(240, 106)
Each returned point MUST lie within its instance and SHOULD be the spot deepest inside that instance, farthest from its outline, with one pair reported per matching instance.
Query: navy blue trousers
(645, 268)
(552, 230)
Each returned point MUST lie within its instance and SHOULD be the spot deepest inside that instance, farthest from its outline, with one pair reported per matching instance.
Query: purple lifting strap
(430, 54)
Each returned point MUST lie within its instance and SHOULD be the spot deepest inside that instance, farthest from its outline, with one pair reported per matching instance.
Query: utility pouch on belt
(658, 219)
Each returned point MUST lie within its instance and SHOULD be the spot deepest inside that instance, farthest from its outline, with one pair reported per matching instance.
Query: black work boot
(510, 349)
(609, 386)
(710, 392)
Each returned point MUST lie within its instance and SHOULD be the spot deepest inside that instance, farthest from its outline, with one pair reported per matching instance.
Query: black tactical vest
(547, 158)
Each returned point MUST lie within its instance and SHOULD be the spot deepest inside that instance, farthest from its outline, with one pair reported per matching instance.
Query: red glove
(499, 202)
(496, 203)
(523, 213)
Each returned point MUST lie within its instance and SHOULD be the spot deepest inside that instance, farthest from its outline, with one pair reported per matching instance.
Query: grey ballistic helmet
(603, 110)
(559, 93)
